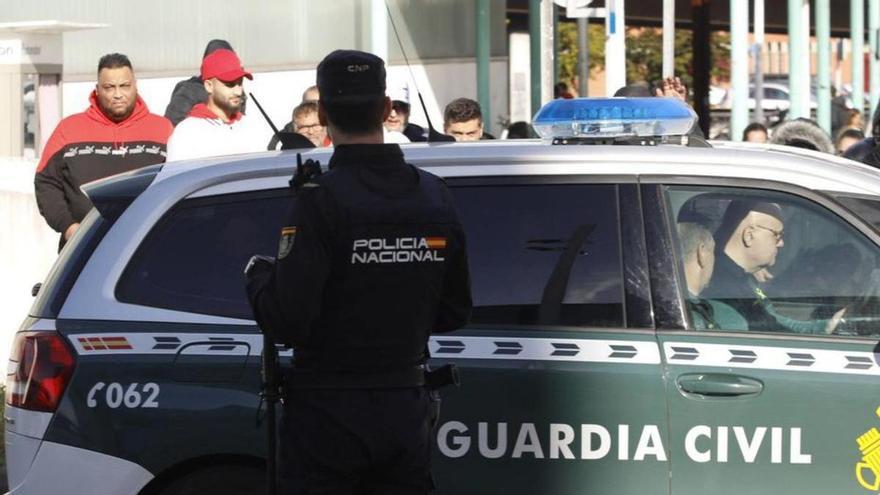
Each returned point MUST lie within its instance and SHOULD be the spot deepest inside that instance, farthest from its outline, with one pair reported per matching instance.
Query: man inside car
(698, 258)
(747, 243)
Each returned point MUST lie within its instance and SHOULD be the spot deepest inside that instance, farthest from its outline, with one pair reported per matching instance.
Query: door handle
(719, 385)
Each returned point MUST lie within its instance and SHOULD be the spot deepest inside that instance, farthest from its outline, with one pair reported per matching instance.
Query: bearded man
(217, 126)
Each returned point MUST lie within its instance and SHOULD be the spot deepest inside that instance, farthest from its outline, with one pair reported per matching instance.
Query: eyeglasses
(311, 127)
(400, 107)
(776, 233)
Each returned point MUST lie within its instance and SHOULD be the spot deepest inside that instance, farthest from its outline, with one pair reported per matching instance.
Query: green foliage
(644, 53)
(567, 58)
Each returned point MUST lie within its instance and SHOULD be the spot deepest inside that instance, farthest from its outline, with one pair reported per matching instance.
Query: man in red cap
(115, 134)
(217, 126)
(190, 92)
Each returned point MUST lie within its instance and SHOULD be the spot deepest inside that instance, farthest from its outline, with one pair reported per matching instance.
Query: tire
(220, 480)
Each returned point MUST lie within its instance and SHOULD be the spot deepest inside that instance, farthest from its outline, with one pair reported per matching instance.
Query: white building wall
(28, 246)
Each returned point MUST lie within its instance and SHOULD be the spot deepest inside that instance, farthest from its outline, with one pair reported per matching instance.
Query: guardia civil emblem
(288, 235)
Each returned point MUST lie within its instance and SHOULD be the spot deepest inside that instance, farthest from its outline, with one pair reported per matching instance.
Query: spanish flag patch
(104, 343)
(288, 235)
(436, 242)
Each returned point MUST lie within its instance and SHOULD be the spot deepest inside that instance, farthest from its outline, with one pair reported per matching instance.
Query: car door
(782, 407)
(561, 389)
(188, 381)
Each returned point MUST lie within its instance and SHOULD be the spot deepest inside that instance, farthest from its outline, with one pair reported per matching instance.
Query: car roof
(93, 295)
(796, 166)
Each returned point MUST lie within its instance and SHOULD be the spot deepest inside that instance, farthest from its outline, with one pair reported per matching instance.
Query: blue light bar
(613, 117)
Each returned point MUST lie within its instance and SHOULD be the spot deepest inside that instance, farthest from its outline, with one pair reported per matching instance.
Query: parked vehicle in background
(775, 98)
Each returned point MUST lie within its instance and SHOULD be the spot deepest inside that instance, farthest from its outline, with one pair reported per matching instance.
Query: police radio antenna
(433, 134)
(289, 140)
(265, 115)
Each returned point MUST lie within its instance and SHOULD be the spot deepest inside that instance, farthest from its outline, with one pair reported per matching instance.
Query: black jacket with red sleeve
(89, 146)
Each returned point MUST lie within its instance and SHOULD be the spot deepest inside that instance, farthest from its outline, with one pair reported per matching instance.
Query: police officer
(371, 260)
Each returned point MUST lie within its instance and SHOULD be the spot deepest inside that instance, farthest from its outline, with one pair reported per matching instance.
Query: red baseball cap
(224, 65)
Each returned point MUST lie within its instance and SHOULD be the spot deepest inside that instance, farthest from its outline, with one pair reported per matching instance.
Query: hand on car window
(834, 321)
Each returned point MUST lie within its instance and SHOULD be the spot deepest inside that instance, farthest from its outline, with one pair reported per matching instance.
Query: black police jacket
(736, 288)
(371, 261)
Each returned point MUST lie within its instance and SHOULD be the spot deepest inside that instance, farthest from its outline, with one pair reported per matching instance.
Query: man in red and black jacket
(117, 133)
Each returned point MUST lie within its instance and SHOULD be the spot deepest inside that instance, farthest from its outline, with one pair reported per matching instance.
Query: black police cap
(351, 76)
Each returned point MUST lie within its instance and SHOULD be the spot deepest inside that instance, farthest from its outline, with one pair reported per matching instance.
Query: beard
(226, 104)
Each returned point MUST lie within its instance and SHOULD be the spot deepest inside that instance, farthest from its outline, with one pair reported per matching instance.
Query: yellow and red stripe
(104, 343)
(436, 242)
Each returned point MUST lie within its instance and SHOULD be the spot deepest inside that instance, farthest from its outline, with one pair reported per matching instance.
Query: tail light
(40, 366)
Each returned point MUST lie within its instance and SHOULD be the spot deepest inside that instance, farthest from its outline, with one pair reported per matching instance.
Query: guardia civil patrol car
(582, 371)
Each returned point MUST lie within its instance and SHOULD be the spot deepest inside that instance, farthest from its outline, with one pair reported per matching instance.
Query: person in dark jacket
(398, 119)
(867, 150)
(697, 248)
(115, 134)
(190, 92)
(747, 242)
(371, 261)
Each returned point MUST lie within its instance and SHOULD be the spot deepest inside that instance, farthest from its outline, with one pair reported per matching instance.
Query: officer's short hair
(462, 110)
(113, 61)
(691, 235)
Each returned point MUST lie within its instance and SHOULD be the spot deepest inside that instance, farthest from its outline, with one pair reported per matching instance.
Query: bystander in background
(191, 92)
(117, 133)
(755, 132)
(306, 123)
(398, 119)
(803, 133)
(846, 138)
(463, 120)
(217, 126)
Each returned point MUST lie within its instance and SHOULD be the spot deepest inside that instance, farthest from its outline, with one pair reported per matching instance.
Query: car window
(866, 208)
(53, 292)
(193, 259)
(538, 254)
(543, 254)
(779, 263)
(775, 94)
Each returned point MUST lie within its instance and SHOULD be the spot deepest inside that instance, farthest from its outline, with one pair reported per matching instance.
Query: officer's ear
(209, 87)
